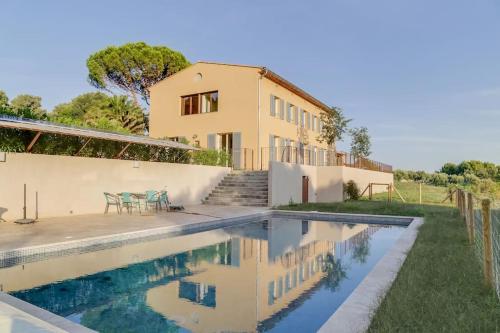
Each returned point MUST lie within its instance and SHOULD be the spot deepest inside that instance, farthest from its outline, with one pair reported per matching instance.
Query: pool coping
(34, 314)
(355, 314)
(42, 252)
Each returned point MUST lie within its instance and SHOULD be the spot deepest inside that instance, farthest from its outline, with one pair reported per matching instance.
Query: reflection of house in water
(272, 264)
(234, 279)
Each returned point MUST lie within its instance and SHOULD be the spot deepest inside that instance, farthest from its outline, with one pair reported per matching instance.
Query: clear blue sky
(423, 76)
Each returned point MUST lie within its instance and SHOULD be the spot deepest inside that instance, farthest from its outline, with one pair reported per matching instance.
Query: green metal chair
(152, 199)
(112, 200)
(164, 200)
(130, 202)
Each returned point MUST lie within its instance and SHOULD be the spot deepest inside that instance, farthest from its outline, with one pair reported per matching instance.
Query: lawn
(440, 286)
(410, 192)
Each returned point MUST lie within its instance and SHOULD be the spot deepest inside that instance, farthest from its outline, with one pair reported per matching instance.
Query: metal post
(252, 159)
(24, 205)
(245, 157)
(261, 157)
(36, 205)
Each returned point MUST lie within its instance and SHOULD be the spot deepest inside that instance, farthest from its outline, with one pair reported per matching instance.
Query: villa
(260, 120)
(247, 111)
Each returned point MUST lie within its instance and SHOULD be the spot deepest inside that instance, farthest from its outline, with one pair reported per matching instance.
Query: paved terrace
(62, 229)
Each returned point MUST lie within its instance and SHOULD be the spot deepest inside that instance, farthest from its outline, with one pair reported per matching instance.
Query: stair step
(246, 185)
(240, 191)
(247, 178)
(246, 196)
(243, 172)
(231, 199)
(235, 204)
(241, 188)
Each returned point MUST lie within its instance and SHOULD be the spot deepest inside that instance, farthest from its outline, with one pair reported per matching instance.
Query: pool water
(277, 275)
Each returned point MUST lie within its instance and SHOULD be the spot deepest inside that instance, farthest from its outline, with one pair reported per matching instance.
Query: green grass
(410, 192)
(440, 286)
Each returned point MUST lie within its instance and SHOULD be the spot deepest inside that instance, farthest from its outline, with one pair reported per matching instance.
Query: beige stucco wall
(325, 183)
(285, 182)
(237, 111)
(75, 185)
(363, 177)
(281, 127)
(242, 93)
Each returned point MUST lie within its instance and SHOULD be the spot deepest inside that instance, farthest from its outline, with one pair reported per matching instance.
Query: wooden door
(305, 189)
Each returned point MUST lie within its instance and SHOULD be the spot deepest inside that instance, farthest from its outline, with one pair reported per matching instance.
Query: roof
(269, 74)
(48, 127)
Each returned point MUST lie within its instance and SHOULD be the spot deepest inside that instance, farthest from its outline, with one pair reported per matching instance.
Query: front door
(226, 145)
(305, 189)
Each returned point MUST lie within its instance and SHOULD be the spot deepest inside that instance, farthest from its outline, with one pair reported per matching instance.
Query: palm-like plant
(335, 272)
(127, 113)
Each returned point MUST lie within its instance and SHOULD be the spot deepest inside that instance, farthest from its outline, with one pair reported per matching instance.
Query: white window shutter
(211, 141)
(282, 109)
(273, 106)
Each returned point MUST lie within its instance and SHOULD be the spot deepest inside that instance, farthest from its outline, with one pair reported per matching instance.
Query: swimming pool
(275, 275)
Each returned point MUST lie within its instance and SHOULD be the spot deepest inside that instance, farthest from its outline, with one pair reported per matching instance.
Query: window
(200, 103)
(294, 278)
(313, 127)
(288, 282)
(289, 115)
(270, 293)
(280, 287)
(302, 118)
(199, 293)
(210, 102)
(277, 107)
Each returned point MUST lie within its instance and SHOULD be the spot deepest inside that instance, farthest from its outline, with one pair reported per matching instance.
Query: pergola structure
(44, 127)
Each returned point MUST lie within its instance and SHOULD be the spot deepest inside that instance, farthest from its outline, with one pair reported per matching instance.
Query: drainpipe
(262, 73)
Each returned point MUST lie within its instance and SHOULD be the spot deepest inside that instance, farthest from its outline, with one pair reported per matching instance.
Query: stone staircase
(241, 188)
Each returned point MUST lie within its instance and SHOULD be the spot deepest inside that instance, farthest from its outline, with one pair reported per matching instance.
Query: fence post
(420, 192)
(462, 202)
(488, 254)
(470, 214)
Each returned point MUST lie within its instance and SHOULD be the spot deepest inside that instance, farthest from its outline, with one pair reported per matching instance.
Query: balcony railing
(318, 157)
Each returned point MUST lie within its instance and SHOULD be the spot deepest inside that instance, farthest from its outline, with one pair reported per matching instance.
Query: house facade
(248, 111)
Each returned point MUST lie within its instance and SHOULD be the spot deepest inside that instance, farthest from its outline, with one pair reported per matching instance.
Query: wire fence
(482, 218)
(495, 228)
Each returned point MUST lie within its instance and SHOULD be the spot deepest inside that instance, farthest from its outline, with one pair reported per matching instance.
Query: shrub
(471, 179)
(456, 179)
(400, 175)
(351, 190)
(485, 186)
(211, 157)
(438, 179)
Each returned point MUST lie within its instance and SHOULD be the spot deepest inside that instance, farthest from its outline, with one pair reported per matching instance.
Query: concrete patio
(62, 229)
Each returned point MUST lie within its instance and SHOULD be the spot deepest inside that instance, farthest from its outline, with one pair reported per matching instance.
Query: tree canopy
(133, 68)
(4, 99)
(334, 126)
(25, 101)
(25, 106)
(98, 110)
(360, 143)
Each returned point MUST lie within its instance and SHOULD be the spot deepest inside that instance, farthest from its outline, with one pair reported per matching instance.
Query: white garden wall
(74, 185)
(325, 183)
